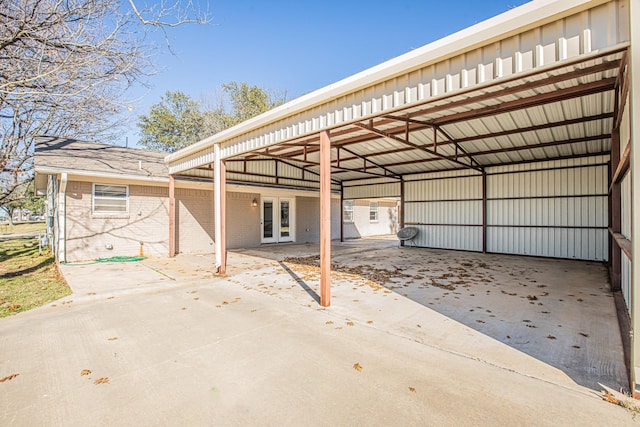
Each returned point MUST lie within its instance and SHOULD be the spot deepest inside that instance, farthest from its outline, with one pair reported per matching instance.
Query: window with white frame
(373, 211)
(110, 199)
(347, 211)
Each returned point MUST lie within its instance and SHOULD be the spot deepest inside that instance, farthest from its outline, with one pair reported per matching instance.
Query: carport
(512, 136)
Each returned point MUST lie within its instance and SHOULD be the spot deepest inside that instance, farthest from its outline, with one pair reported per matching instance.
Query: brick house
(104, 200)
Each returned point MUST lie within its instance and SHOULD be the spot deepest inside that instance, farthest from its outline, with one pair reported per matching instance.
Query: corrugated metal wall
(372, 189)
(447, 209)
(552, 209)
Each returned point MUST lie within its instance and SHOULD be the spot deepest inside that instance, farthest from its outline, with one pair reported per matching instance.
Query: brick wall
(243, 220)
(195, 221)
(88, 233)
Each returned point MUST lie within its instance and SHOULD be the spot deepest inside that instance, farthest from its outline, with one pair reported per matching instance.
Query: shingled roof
(69, 155)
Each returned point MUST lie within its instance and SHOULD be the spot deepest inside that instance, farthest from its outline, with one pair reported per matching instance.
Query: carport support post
(325, 219)
(219, 196)
(172, 216)
(341, 213)
(484, 211)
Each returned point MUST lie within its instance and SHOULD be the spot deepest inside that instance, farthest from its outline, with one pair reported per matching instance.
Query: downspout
(62, 218)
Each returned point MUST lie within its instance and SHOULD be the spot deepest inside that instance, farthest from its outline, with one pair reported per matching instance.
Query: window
(373, 211)
(347, 211)
(110, 199)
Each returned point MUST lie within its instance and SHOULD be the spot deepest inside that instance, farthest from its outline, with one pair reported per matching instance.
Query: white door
(268, 219)
(277, 220)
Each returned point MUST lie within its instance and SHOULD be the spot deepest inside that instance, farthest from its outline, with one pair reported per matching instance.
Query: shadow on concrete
(300, 282)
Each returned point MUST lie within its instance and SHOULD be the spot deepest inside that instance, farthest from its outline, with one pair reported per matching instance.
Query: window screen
(110, 198)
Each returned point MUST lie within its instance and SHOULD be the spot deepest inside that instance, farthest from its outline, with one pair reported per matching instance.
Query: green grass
(23, 228)
(27, 279)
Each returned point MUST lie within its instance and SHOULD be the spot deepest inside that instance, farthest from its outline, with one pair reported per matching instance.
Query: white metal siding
(549, 212)
(447, 211)
(372, 191)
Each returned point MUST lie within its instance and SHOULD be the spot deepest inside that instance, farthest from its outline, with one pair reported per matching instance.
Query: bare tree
(64, 67)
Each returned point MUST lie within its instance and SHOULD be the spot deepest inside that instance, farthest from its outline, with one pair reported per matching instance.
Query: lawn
(22, 228)
(28, 279)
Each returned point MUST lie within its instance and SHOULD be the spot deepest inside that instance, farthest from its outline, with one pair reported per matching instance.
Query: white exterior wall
(551, 209)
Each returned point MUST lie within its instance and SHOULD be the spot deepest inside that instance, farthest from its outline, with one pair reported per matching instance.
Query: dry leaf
(349, 323)
(329, 322)
(357, 367)
(253, 311)
(551, 337)
(196, 299)
(112, 339)
(85, 372)
(8, 377)
(608, 397)
(369, 322)
(103, 380)
(583, 334)
(183, 308)
(412, 389)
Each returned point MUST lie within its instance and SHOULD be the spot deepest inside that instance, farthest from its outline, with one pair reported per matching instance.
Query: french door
(277, 219)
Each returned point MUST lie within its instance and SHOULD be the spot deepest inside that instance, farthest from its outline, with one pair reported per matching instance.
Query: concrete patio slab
(179, 346)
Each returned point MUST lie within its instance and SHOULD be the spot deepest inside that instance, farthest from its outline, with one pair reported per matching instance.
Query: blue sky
(297, 46)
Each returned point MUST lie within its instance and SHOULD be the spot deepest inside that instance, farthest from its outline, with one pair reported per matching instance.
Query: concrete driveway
(164, 342)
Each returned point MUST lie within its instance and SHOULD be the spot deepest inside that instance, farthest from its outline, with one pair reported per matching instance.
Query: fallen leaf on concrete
(112, 338)
(369, 322)
(103, 380)
(225, 303)
(254, 310)
(8, 378)
(412, 390)
(196, 299)
(576, 346)
(183, 308)
(551, 337)
(349, 323)
(583, 334)
(85, 372)
(357, 367)
(111, 298)
(608, 397)
(328, 322)
(91, 293)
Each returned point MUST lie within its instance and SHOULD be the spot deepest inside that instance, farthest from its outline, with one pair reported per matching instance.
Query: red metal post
(325, 219)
